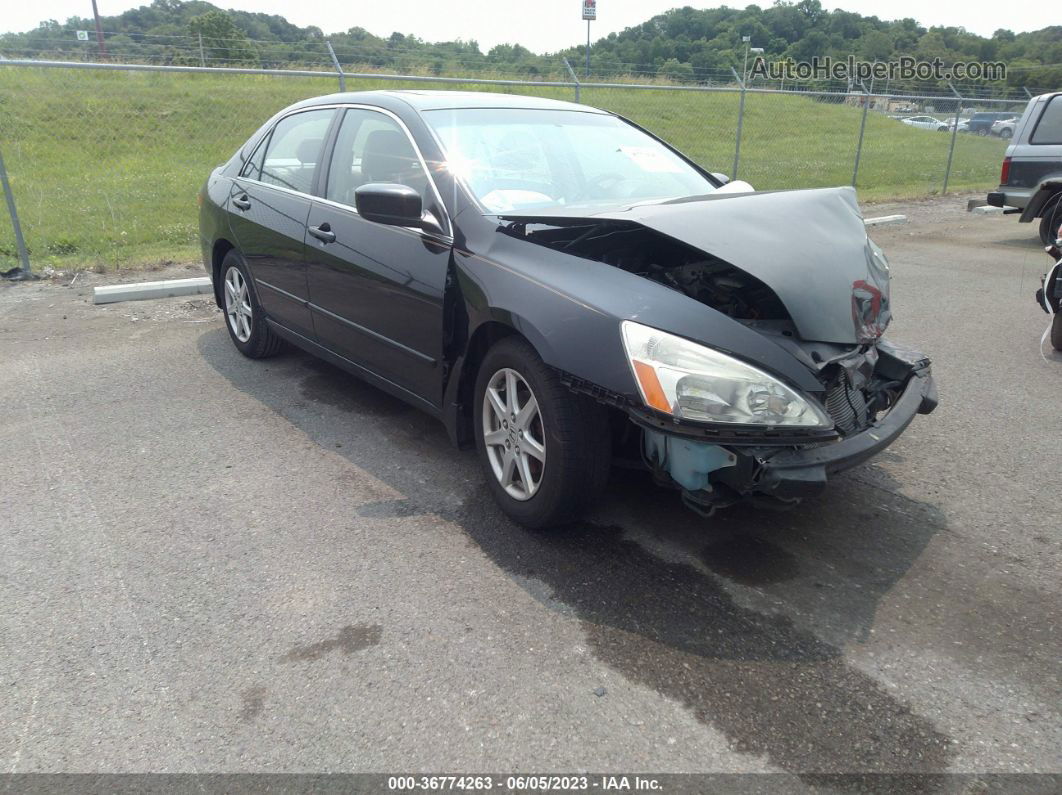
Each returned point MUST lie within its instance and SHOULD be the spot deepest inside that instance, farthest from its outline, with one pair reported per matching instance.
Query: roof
(448, 100)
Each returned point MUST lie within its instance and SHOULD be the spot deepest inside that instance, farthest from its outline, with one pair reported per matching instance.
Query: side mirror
(723, 178)
(389, 203)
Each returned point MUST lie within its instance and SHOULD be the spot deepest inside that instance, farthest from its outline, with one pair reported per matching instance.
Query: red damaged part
(870, 311)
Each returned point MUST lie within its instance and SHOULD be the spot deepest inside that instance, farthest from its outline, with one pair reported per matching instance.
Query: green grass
(105, 166)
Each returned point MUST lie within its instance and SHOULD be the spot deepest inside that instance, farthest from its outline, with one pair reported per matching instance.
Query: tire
(1006, 133)
(982, 132)
(244, 317)
(1051, 219)
(573, 430)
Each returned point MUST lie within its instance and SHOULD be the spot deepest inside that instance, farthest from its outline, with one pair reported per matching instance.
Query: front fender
(570, 309)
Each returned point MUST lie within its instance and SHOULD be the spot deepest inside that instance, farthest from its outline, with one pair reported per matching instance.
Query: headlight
(692, 382)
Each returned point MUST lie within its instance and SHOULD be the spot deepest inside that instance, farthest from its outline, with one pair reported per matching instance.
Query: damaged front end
(870, 395)
(718, 425)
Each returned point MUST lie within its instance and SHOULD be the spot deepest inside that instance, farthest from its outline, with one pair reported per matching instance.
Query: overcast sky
(541, 25)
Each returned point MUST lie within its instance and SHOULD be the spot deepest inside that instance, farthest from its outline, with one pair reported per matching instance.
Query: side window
(294, 148)
(372, 147)
(1049, 128)
(252, 169)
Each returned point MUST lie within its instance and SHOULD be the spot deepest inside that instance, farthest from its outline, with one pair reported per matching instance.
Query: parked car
(1004, 128)
(926, 123)
(981, 123)
(1030, 180)
(560, 287)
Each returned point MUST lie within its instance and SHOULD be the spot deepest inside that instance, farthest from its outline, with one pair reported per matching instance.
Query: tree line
(680, 45)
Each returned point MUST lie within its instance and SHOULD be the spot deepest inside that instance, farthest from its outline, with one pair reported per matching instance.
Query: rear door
(268, 207)
(376, 291)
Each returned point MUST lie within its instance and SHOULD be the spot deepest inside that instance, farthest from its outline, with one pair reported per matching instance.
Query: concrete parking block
(142, 291)
(885, 219)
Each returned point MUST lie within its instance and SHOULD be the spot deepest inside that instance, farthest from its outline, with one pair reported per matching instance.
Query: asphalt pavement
(216, 564)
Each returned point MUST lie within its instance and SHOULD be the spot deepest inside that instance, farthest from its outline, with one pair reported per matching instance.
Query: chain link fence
(105, 160)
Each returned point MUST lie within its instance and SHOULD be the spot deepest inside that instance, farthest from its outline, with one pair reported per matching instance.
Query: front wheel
(544, 449)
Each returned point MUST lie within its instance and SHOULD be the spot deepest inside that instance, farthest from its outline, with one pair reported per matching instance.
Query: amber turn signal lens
(651, 389)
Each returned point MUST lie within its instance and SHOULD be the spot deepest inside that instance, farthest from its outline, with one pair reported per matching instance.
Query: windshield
(516, 159)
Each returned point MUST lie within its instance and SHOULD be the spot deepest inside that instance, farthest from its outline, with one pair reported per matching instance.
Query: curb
(142, 291)
(986, 210)
(885, 219)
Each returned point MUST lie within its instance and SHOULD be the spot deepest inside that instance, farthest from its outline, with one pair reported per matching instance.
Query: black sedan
(563, 289)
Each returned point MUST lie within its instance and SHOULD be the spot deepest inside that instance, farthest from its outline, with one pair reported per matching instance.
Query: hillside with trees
(681, 45)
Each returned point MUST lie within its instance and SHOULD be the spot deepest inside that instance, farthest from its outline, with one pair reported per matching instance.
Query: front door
(376, 291)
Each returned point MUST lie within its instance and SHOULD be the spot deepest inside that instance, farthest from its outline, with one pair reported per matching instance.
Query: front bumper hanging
(713, 475)
(793, 474)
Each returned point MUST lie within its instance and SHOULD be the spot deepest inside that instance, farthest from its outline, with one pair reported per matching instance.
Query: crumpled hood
(809, 246)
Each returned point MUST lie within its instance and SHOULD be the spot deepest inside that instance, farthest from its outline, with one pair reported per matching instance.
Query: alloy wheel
(238, 304)
(513, 434)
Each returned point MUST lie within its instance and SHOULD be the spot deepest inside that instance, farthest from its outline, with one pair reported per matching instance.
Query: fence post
(954, 133)
(741, 119)
(575, 77)
(862, 129)
(1028, 93)
(339, 69)
(20, 243)
(202, 54)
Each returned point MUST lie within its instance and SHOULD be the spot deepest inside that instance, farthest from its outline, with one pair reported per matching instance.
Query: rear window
(1049, 128)
(293, 149)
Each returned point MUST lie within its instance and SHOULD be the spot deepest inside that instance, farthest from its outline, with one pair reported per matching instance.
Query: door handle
(242, 202)
(323, 233)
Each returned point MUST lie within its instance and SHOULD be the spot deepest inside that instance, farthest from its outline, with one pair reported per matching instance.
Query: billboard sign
(589, 9)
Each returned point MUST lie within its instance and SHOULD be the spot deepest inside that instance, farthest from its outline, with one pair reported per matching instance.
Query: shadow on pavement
(645, 577)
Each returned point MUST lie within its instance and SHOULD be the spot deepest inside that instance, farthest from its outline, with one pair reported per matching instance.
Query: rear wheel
(1006, 133)
(1050, 220)
(1056, 332)
(243, 315)
(544, 449)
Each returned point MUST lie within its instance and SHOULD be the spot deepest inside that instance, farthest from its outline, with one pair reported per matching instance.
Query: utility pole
(99, 31)
(589, 14)
(587, 74)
